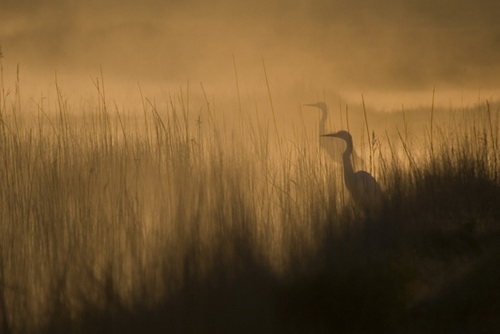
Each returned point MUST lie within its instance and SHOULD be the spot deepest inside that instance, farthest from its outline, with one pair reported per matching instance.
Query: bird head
(342, 134)
(319, 105)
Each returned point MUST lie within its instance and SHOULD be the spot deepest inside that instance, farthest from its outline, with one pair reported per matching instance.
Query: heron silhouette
(364, 189)
(333, 148)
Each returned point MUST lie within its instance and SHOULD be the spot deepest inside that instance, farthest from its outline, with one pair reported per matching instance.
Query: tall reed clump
(126, 223)
(106, 215)
(444, 207)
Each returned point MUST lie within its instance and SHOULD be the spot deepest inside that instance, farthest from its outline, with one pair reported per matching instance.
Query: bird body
(364, 189)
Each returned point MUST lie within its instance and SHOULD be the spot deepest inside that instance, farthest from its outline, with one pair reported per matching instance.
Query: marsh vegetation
(116, 222)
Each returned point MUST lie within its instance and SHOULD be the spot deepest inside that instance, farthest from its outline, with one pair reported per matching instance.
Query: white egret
(332, 147)
(365, 190)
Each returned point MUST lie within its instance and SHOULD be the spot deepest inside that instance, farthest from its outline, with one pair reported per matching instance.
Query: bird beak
(329, 135)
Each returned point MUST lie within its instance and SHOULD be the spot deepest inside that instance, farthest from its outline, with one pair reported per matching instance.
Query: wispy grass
(123, 223)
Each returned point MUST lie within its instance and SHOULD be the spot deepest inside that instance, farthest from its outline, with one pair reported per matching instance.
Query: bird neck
(348, 169)
(322, 122)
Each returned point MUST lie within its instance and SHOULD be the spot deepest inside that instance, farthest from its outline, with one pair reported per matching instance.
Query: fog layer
(308, 46)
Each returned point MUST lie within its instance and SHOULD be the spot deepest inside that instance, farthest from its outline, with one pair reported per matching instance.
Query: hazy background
(391, 51)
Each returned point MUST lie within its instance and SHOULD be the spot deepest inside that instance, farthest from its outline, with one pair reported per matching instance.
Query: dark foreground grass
(112, 227)
(428, 267)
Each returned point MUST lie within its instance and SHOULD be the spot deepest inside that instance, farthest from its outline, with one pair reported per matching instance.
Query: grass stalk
(370, 143)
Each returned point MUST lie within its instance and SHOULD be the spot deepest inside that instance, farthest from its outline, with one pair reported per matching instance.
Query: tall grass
(126, 223)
